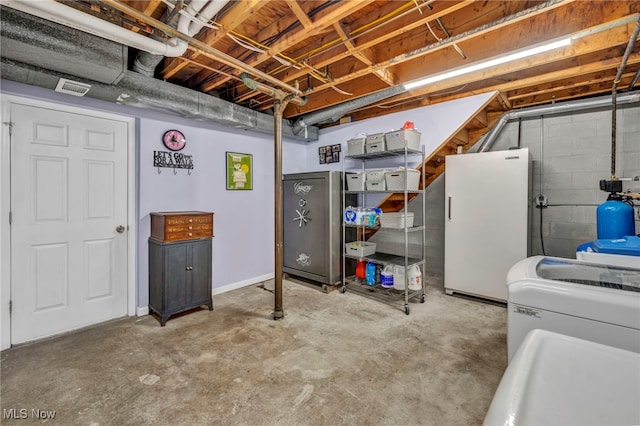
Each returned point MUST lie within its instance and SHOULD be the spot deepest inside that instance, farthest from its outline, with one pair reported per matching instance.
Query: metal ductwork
(334, 113)
(38, 52)
(31, 40)
(144, 92)
(555, 109)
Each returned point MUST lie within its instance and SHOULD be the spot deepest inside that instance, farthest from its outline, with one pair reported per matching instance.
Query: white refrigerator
(487, 197)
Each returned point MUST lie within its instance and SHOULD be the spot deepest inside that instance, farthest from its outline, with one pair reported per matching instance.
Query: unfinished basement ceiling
(336, 51)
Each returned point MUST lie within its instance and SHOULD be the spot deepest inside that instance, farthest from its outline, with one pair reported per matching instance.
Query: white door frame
(5, 198)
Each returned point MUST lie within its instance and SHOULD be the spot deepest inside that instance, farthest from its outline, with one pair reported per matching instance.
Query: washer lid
(555, 379)
(584, 290)
(593, 274)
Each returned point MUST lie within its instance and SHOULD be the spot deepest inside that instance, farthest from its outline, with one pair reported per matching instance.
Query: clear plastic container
(399, 280)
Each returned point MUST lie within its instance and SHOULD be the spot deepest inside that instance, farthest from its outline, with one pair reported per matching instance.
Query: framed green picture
(239, 171)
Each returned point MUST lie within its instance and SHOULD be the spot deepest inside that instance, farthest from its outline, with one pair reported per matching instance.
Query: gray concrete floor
(335, 359)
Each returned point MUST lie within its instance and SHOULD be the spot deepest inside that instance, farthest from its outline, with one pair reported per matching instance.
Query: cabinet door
(200, 275)
(176, 276)
(305, 217)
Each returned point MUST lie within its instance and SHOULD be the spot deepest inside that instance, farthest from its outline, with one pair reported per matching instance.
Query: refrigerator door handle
(449, 207)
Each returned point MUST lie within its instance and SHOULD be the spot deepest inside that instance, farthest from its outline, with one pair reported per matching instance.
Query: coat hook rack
(173, 160)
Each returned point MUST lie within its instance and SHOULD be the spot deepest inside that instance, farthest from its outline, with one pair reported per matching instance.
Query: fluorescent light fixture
(490, 63)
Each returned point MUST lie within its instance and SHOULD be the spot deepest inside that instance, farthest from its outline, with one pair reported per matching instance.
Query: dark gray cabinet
(179, 276)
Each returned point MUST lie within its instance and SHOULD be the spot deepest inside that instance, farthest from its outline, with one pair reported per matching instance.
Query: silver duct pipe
(634, 80)
(334, 113)
(195, 16)
(554, 109)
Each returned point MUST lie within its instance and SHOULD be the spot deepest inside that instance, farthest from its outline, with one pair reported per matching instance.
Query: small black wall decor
(329, 154)
(174, 160)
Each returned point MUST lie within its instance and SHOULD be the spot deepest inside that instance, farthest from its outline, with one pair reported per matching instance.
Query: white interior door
(68, 198)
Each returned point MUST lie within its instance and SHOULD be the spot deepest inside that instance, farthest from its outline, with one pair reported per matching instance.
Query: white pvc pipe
(70, 17)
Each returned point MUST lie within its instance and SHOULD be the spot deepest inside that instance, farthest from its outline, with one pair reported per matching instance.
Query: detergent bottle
(371, 273)
(414, 277)
(387, 276)
(360, 269)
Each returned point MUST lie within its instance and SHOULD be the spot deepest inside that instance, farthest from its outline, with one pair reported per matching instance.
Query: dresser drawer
(179, 226)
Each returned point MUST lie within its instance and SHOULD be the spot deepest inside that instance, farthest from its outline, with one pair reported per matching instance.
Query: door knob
(120, 229)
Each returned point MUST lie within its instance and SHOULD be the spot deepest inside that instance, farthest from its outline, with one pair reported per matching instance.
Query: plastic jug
(398, 277)
(387, 277)
(414, 277)
(360, 269)
(371, 273)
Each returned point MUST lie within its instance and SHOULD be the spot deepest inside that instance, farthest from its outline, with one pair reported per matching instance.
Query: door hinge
(10, 124)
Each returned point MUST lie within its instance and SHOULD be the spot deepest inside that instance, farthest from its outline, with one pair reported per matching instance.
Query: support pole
(280, 102)
(279, 106)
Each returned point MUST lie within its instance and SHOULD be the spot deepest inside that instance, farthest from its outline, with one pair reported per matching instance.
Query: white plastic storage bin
(396, 220)
(375, 175)
(376, 180)
(355, 181)
(395, 180)
(355, 146)
(375, 143)
(360, 248)
(395, 140)
(376, 186)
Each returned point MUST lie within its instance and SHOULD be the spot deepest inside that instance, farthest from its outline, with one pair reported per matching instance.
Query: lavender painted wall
(243, 220)
(434, 122)
(243, 242)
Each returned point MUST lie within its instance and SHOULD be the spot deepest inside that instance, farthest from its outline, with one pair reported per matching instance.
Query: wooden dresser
(179, 226)
(180, 262)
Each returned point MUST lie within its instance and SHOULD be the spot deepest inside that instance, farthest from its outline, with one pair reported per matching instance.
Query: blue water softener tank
(615, 219)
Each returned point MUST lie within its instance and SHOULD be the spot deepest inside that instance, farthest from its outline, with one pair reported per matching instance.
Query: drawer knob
(190, 220)
(190, 234)
(191, 227)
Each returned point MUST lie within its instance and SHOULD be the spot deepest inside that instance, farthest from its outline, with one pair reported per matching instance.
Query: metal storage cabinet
(179, 276)
(312, 208)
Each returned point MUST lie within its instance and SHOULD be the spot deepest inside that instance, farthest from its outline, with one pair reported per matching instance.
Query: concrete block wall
(571, 154)
(434, 243)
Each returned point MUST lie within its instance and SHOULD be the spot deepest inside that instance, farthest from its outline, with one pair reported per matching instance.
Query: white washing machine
(562, 380)
(591, 301)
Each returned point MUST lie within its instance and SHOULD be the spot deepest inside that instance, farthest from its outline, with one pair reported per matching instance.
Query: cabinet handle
(189, 268)
(449, 207)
